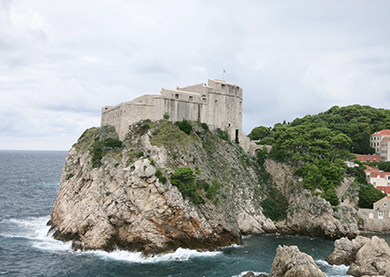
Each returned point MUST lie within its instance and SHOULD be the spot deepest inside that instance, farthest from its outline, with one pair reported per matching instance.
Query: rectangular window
(371, 215)
(380, 214)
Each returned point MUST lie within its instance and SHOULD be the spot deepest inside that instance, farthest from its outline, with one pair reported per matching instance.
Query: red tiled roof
(371, 169)
(368, 157)
(386, 139)
(384, 132)
(380, 174)
(388, 196)
(384, 189)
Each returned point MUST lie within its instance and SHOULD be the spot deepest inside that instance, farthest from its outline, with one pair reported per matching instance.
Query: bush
(160, 176)
(214, 189)
(204, 126)
(166, 116)
(368, 195)
(272, 210)
(184, 125)
(222, 134)
(184, 180)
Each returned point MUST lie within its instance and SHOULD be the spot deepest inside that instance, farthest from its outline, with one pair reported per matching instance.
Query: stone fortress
(218, 103)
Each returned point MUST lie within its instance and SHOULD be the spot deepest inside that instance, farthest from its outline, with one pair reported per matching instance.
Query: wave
(35, 230)
(332, 270)
(180, 254)
(245, 272)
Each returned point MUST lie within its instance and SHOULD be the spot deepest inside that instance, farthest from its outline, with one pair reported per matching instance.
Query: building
(379, 178)
(381, 209)
(218, 103)
(384, 189)
(380, 141)
(364, 158)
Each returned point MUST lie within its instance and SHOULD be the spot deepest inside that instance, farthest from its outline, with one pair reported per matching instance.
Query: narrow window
(191, 98)
(177, 96)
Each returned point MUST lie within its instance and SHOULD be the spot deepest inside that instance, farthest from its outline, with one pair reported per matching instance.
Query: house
(379, 178)
(381, 209)
(384, 189)
(365, 158)
(380, 141)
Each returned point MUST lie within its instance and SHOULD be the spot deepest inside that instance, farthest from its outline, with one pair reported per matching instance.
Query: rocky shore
(127, 200)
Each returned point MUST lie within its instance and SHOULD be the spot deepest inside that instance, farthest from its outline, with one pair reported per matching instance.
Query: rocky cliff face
(308, 214)
(122, 203)
(113, 195)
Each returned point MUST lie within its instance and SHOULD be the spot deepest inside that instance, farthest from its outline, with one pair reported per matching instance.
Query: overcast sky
(61, 61)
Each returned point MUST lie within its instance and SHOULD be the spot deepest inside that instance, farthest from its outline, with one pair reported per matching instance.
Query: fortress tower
(218, 103)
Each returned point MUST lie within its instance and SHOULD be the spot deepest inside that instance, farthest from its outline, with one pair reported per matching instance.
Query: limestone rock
(307, 214)
(345, 250)
(373, 259)
(122, 204)
(290, 262)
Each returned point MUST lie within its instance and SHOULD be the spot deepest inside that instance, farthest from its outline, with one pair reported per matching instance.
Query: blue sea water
(29, 182)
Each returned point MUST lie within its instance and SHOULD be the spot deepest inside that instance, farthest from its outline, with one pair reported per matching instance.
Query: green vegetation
(318, 145)
(166, 116)
(222, 134)
(106, 141)
(368, 195)
(69, 176)
(384, 165)
(160, 176)
(184, 125)
(184, 180)
(259, 133)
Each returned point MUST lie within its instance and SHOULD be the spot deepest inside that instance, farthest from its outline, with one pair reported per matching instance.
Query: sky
(61, 61)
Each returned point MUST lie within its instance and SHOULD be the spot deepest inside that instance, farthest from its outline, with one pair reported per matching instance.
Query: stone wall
(219, 104)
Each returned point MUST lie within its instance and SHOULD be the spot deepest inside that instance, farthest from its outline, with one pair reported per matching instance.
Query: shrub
(160, 176)
(184, 125)
(214, 189)
(204, 126)
(184, 179)
(368, 195)
(222, 134)
(166, 116)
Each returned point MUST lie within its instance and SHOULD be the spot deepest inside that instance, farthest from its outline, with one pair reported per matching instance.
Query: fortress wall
(201, 89)
(178, 110)
(219, 104)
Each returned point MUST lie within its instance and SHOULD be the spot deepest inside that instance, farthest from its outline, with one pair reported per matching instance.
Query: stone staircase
(344, 186)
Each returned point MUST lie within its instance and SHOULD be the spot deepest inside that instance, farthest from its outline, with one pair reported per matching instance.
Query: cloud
(60, 62)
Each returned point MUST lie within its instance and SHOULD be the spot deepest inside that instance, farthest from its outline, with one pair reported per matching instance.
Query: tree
(259, 132)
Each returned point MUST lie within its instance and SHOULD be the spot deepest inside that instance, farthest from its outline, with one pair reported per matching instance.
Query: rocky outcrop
(123, 204)
(313, 216)
(366, 257)
(373, 259)
(307, 214)
(345, 250)
(291, 262)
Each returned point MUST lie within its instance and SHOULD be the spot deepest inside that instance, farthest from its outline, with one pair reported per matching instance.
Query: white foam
(180, 254)
(232, 246)
(35, 230)
(245, 272)
(332, 270)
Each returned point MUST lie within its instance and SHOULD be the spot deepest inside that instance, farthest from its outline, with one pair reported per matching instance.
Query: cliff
(162, 189)
(126, 199)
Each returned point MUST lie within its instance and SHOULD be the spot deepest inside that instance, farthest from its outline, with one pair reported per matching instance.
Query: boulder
(291, 262)
(345, 250)
(373, 259)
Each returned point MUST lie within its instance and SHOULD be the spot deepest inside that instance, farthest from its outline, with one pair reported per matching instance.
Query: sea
(29, 182)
